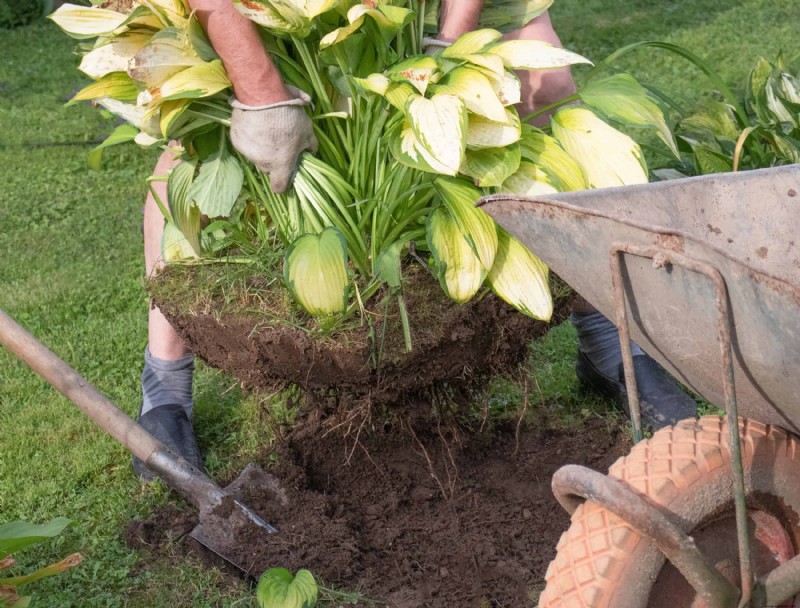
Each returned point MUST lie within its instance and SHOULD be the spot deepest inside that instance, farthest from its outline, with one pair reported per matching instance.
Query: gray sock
(598, 339)
(167, 382)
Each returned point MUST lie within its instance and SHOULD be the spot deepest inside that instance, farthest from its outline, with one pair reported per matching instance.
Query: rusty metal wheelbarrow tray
(704, 274)
(744, 225)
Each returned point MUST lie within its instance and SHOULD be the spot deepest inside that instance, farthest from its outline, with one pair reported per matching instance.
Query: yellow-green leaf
(529, 180)
(184, 213)
(439, 125)
(87, 22)
(174, 245)
(508, 15)
(475, 90)
(315, 270)
(116, 85)
(533, 55)
(484, 133)
(160, 60)
(563, 173)
(458, 268)
(201, 80)
(621, 98)
(170, 111)
(471, 43)
(479, 229)
(417, 71)
(376, 83)
(489, 167)
(606, 156)
(112, 56)
(520, 278)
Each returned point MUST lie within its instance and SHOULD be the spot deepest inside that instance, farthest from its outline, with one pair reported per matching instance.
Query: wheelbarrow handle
(77, 389)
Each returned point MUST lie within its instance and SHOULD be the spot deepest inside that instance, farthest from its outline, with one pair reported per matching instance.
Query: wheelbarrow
(704, 274)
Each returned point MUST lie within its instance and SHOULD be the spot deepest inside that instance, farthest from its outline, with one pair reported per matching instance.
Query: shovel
(224, 523)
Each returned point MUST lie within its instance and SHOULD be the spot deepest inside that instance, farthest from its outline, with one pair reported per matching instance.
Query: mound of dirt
(415, 518)
(452, 343)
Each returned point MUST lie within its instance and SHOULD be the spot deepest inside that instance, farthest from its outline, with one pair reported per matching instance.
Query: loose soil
(245, 332)
(413, 518)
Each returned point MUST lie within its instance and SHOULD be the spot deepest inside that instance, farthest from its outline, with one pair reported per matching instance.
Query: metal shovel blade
(231, 529)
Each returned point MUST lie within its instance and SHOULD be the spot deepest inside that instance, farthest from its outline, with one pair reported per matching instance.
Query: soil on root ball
(417, 518)
(253, 332)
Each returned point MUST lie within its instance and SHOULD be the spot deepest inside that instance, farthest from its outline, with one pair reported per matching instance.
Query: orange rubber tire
(603, 563)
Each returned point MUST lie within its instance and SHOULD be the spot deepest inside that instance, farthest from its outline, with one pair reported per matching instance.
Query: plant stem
(401, 302)
(552, 106)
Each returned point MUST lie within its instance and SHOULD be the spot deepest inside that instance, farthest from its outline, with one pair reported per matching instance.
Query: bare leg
(164, 341)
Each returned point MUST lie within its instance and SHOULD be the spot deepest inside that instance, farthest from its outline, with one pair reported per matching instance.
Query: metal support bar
(572, 484)
(662, 258)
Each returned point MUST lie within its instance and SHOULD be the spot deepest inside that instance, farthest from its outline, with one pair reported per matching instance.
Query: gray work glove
(274, 136)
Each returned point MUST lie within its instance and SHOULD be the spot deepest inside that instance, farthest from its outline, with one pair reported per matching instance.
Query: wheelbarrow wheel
(601, 562)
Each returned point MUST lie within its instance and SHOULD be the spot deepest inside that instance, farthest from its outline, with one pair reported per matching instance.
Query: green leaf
(116, 85)
(606, 156)
(562, 172)
(218, 184)
(201, 80)
(388, 265)
(17, 535)
(174, 245)
(533, 55)
(484, 133)
(490, 167)
(712, 119)
(459, 270)
(621, 98)
(120, 135)
(182, 208)
(388, 19)
(710, 161)
(199, 40)
(375, 83)
(476, 91)
(418, 71)
(406, 149)
(170, 112)
(278, 589)
(439, 125)
(315, 270)
(87, 22)
(478, 229)
(520, 278)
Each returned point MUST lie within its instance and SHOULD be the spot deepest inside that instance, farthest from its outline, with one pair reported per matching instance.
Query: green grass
(70, 271)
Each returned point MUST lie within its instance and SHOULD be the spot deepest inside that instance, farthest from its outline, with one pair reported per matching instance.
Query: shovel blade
(231, 529)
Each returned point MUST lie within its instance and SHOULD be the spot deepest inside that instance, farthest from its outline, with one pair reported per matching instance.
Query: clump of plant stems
(408, 142)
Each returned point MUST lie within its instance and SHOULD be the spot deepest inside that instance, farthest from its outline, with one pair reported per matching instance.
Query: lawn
(71, 270)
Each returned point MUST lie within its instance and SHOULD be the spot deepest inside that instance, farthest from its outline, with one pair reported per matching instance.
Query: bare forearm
(256, 80)
(458, 17)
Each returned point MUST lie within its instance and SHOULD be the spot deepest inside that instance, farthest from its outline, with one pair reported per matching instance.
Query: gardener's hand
(274, 136)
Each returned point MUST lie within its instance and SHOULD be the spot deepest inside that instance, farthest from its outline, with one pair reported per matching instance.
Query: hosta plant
(16, 536)
(277, 588)
(408, 142)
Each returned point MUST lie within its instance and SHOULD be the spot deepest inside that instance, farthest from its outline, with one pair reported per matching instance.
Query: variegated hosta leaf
(165, 56)
(201, 80)
(620, 97)
(389, 19)
(439, 125)
(116, 85)
(113, 56)
(169, 12)
(398, 94)
(483, 133)
(606, 156)
(284, 16)
(131, 113)
(562, 172)
(475, 90)
(183, 211)
(491, 65)
(120, 135)
(218, 184)
(174, 245)
(375, 83)
(479, 229)
(533, 55)
(520, 278)
(278, 589)
(87, 22)
(417, 71)
(315, 270)
(170, 112)
(489, 167)
(407, 150)
(529, 180)
(508, 89)
(471, 43)
(459, 270)
(508, 15)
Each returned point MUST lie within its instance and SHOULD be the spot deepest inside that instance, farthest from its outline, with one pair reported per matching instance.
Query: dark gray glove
(273, 137)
